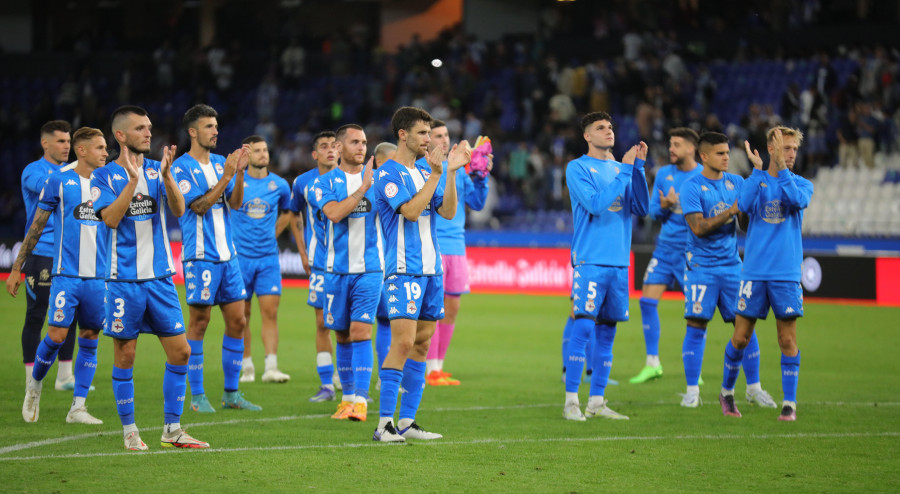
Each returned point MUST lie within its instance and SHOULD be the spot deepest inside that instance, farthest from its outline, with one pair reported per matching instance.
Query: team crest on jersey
(589, 306)
(616, 206)
(59, 315)
(45, 275)
(390, 190)
(329, 318)
(697, 308)
(184, 186)
(772, 212)
(318, 194)
(670, 178)
(141, 205)
(742, 304)
(204, 294)
(426, 174)
(729, 185)
(117, 326)
(219, 169)
(152, 174)
(95, 193)
(272, 185)
(411, 307)
(312, 296)
(594, 170)
(616, 168)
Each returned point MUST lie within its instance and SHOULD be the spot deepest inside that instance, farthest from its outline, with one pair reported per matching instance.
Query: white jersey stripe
(329, 257)
(428, 253)
(380, 241)
(143, 234)
(87, 245)
(113, 253)
(401, 243)
(222, 246)
(62, 230)
(165, 232)
(201, 245)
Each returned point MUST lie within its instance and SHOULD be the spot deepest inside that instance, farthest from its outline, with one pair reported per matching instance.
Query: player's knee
(57, 335)
(180, 354)
(697, 323)
(403, 346)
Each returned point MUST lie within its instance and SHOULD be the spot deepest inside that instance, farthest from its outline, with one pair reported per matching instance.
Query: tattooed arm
(31, 239)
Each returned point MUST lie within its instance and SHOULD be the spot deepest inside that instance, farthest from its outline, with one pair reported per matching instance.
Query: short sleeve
(101, 189)
(49, 197)
(391, 188)
(284, 192)
(324, 190)
(690, 198)
(297, 199)
(186, 183)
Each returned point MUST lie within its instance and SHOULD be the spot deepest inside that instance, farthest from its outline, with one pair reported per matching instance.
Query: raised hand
(642, 151)
(130, 166)
(734, 208)
(435, 160)
(231, 163)
(368, 178)
(243, 158)
(460, 155)
(777, 156)
(753, 156)
(629, 157)
(167, 158)
(670, 199)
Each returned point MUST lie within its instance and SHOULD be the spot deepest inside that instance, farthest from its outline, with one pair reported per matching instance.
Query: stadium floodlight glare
(436, 63)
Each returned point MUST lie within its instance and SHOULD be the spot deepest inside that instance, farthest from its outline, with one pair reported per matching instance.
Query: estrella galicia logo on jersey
(85, 212)
(256, 208)
(95, 193)
(152, 174)
(364, 206)
(772, 212)
(718, 209)
(142, 205)
(616, 206)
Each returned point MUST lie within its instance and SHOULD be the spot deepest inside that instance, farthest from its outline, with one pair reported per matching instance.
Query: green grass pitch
(503, 427)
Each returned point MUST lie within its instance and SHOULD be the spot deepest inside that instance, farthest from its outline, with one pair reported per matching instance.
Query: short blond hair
(85, 134)
(785, 131)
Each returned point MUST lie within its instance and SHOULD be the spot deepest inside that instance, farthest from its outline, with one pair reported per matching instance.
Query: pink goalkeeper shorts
(456, 274)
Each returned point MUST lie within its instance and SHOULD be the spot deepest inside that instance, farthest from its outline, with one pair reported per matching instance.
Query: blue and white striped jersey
(710, 198)
(411, 247)
(353, 245)
(79, 239)
(254, 222)
(303, 201)
(138, 249)
(206, 237)
(604, 194)
(33, 179)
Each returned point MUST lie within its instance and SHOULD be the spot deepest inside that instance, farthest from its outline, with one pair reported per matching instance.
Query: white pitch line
(474, 442)
(58, 440)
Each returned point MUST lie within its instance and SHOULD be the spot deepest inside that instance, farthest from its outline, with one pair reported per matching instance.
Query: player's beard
(260, 167)
(135, 150)
(209, 146)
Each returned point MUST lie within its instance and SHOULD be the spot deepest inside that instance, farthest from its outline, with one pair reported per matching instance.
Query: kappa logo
(177, 169)
(392, 299)
(196, 171)
(382, 174)
(338, 180)
(763, 185)
(189, 276)
(71, 182)
(670, 178)
(577, 275)
(576, 286)
(392, 277)
(116, 176)
(393, 311)
(191, 286)
(244, 291)
(576, 297)
(274, 288)
(178, 325)
(189, 265)
(366, 316)
(392, 287)
(789, 310)
(704, 188)
(594, 170)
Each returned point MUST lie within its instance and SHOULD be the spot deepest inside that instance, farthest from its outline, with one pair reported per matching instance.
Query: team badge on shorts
(742, 304)
(329, 318)
(117, 326)
(204, 294)
(698, 307)
(411, 307)
(313, 296)
(589, 306)
(58, 316)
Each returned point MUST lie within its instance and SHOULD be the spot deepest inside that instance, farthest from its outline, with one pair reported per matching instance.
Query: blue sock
(85, 366)
(123, 391)
(650, 320)
(362, 367)
(567, 335)
(581, 331)
(413, 386)
(589, 357)
(325, 373)
(344, 354)
(692, 354)
(195, 367)
(44, 358)
(604, 335)
(390, 388)
(232, 360)
(733, 358)
(382, 340)
(790, 374)
(751, 360)
(174, 388)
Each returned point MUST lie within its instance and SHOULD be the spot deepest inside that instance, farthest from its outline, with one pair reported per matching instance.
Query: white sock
(383, 421)
(652, 361)
(271, 361)
(754, 387)
(792, 404)
(360, 399)
(595, 401)
(34, 385)
(440, 364)
(170, 428)
(727, 392)
(571, 398)
(323, 359)
(127, 429)
(349, 398)
(64, 371)
(431, 365)
(78, 402)
(29, 372)
(404, 423)
(329, 386)
(247, 363)
(693, 390)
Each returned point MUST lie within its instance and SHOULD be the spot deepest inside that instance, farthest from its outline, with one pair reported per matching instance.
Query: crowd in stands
(526, 92)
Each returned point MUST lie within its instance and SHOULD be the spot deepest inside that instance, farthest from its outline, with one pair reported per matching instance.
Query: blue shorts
(71, 296)
(382, 312)
(213, 283)
(600, 292)
(415, 297)
(666, 267)
(351, 298)
(134, 307)
(316, 297)
(705, 288)
(784, 297)
(262, 275)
